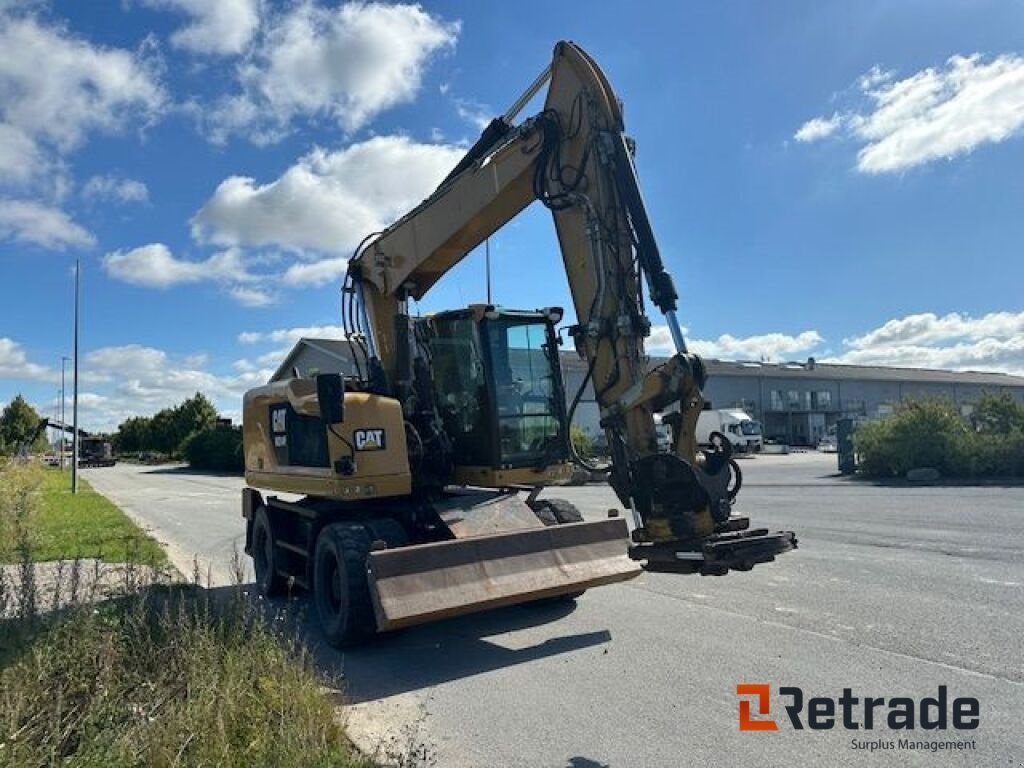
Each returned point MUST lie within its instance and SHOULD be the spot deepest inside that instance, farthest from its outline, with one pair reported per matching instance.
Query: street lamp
(63, 424)
(74, 405)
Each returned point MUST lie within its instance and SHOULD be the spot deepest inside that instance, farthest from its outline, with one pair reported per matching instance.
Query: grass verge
(164, 676)
(63, 526)
(152, 673)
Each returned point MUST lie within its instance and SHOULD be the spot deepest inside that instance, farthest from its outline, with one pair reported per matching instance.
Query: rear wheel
(340, 590)
(264, 555)
(558, 512)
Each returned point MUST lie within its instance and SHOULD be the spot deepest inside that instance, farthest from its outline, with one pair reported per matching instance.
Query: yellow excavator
(419, 474)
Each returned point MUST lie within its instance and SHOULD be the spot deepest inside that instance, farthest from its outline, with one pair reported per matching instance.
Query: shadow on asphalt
(184, 469)
(425, 656)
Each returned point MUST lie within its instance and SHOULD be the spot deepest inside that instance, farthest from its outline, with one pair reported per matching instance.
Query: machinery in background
(93, 450)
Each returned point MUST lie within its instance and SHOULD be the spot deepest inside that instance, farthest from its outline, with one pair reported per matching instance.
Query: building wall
(814, 405)
(802, 406)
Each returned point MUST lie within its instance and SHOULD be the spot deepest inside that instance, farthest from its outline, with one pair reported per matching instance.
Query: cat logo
(369, 439)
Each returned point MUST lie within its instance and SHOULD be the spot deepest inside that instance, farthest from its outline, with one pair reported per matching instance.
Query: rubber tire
(340, 590)
(264, 556)
(558, 512)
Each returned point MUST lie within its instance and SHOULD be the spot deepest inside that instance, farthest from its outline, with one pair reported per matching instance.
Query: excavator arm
(575, 158)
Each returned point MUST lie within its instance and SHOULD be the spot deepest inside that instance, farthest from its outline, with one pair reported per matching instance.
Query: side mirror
(330, 395)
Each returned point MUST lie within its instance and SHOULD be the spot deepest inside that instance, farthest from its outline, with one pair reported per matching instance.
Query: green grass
(165, 676)
(62, 525)
(145, 672)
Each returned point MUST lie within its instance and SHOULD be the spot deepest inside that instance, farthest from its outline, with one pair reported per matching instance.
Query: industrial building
(796, 402)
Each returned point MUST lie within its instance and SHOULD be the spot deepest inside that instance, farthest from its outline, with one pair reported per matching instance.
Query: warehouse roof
(340, 350)
(812, 369)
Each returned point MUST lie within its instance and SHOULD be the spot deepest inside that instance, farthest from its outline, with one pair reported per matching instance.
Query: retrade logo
(851, 712)
(762, 694)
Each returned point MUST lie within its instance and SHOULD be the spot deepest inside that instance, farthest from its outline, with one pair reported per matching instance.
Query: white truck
(742, 431)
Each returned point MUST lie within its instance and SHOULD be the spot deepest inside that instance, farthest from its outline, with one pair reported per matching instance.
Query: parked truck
(743, 432)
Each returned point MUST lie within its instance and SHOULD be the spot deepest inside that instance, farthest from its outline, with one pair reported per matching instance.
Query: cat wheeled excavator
(420, 473)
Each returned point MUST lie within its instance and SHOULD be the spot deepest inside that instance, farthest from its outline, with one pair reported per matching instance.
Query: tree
(195, 415)
(997, 414)
(168, 429)
(19, 426)
(134, 435)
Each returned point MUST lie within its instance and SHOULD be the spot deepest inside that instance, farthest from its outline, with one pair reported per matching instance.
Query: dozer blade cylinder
(427, 582)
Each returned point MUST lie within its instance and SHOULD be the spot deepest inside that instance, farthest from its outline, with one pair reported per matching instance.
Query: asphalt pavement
(893, 592)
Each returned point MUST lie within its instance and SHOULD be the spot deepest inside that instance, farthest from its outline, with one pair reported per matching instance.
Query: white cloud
(57, 88)
(476, 114)
(936, 113)
(928, 328)
(14, 364)
(993, 342)
(110, 187)
(142, 380)
(818, 128)
(328, 201)
(292, 335)
(221, 27)
(27, 221)
(346, 64)
(769, 346)
(127, 359)
(251, 297)
(20, 158)
(316, 272)
(135, 379)
(155, 266)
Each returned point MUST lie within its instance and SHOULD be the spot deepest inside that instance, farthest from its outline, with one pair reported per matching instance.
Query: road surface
(894, 591)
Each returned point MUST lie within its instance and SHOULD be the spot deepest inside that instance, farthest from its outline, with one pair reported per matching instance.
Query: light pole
(56, 415)
(63, 424)
(74, 404)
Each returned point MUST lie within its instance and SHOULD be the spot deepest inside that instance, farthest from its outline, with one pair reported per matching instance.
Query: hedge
(933, 433)
(219, 450)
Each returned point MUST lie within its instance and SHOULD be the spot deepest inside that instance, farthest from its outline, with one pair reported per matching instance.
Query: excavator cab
(498, 388)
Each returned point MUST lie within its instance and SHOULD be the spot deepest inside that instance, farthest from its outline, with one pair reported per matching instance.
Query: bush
(932, 433)
(219, 450)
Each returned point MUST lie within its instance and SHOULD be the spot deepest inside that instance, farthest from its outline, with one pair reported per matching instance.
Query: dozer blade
(427, 582)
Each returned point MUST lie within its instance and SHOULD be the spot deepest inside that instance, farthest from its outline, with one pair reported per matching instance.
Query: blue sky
(831, 179)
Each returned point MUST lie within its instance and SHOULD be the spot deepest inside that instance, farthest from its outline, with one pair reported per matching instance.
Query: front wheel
(340, 589)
